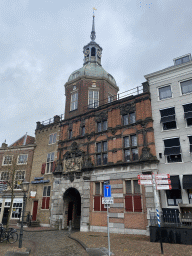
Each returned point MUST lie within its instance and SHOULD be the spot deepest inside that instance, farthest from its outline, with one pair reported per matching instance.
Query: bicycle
(11, 235)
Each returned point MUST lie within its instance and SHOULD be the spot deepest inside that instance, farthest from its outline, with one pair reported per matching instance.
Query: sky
(41, 44)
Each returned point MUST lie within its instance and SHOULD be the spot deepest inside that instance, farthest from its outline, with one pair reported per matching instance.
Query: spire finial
(93, 34)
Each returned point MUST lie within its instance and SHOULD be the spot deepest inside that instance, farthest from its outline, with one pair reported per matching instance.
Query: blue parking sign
(107, 190)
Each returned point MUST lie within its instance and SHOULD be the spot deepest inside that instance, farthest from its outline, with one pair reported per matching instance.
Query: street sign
(107, 200)
(144, 177)
(145, 182)
(164, 187)
(106, 182)
(167, 181)
(162, 176)
(107, 190)
(106, 206)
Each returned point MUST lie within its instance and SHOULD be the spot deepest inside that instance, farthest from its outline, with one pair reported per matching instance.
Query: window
(132, 196)
(110, 98)
(101, 156)
(165, 92)
(0, 207)
(52, 138)
(4, 176)
(22, 159)
(102, 126)
(19, 178)
(190, 144)
(188, 113)
(93, 51)
(182, 60)
(50, 159)
(186, 87)
(168, 118)
(46, 197)
(74, 101)
(130, 148)
(93, 101)
(83, 130)
(173, 197)
(129, 118)
(16, 210)
(172, 150)
(70, 134)
(7, 160)
(98, 206)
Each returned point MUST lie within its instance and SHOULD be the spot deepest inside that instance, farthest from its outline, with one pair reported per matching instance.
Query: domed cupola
(92, 51)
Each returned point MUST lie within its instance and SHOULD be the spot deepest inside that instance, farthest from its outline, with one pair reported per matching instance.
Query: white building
(171, 101)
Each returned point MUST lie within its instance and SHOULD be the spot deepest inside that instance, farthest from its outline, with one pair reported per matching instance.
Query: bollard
(70, 226)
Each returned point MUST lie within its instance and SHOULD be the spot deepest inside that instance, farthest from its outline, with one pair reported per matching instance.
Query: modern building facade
(104, 137)
(171, 101)
(15, 166)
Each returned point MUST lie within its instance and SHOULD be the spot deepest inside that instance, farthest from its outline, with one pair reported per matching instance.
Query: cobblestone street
(48, 243)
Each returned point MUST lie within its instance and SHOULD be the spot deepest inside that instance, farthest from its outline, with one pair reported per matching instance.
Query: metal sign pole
(108, 230)
(157, 206)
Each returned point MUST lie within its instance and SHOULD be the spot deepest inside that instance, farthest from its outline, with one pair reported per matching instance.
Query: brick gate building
(104, 136)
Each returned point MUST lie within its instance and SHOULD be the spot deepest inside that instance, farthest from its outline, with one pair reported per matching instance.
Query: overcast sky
(42, 41)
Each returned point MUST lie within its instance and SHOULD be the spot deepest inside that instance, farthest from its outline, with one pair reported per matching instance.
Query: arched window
(93, 51)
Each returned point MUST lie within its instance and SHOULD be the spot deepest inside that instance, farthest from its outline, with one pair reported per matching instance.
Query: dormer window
(93, 51)
(182, 59)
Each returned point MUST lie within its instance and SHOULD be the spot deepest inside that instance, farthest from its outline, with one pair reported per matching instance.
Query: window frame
(93, 105)
(180, 83)
(46, 198)
(130, 147)
(102, 153)
(49, 165)
(70, 134)
(128, 118)
(17, 186)
(7, 174)
(17, 206)
(51, 138)
(24, 162)
(3, 164)
(98, 196)
(158, 89)
(133, 196)
(74, 103)
(166, 156)
(101, 124)
(185, 117)
(190, 144)
(162, 123)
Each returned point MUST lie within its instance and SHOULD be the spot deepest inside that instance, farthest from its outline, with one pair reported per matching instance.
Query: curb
(40, 230)
(78, 241)
(28, 250)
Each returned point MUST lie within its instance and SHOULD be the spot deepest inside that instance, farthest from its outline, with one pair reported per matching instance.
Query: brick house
(41, 180)
(15, 161)
(105, 136)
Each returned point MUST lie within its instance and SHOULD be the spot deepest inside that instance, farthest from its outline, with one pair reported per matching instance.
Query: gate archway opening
(72, 208)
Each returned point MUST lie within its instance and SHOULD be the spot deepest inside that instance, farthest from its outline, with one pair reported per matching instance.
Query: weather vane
(94, 9)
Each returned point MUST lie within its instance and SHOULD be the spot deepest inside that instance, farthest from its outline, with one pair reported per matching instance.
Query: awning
(188, 114)
(175, 150)
(187, 181)
(166, 119)
(175, 182)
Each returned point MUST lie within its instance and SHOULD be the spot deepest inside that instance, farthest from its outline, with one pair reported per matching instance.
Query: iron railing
(51, 120)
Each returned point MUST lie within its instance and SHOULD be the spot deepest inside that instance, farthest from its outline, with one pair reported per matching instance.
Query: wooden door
(35, 206)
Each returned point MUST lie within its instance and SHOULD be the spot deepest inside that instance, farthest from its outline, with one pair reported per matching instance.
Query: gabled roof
(24, 140)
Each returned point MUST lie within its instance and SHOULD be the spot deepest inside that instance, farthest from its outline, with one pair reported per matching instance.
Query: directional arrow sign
(107, 200)
(144, 177)
(164, 187)
(162, 176)
(145, 182)
(163, 181)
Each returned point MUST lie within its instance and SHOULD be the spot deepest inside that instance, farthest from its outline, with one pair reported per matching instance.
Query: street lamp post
(25, 188)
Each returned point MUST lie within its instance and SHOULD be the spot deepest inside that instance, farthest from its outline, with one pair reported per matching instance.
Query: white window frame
(4, 159)
(7, 173)
(18, 159)
(93, 99)
(74, 103)
(175, 119)
(20, 179)
(20, 206)
(51, 138)
(181, 81)
(187, 126)
(159, 93)
(166, 161)
(50, 162)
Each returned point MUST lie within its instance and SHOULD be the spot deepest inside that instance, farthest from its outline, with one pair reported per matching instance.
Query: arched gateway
(72, 208)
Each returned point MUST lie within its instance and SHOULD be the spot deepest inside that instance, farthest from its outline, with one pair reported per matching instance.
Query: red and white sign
(144, 177)
(163, 181)
(145, 182)
(162, 176)
(164, 187)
